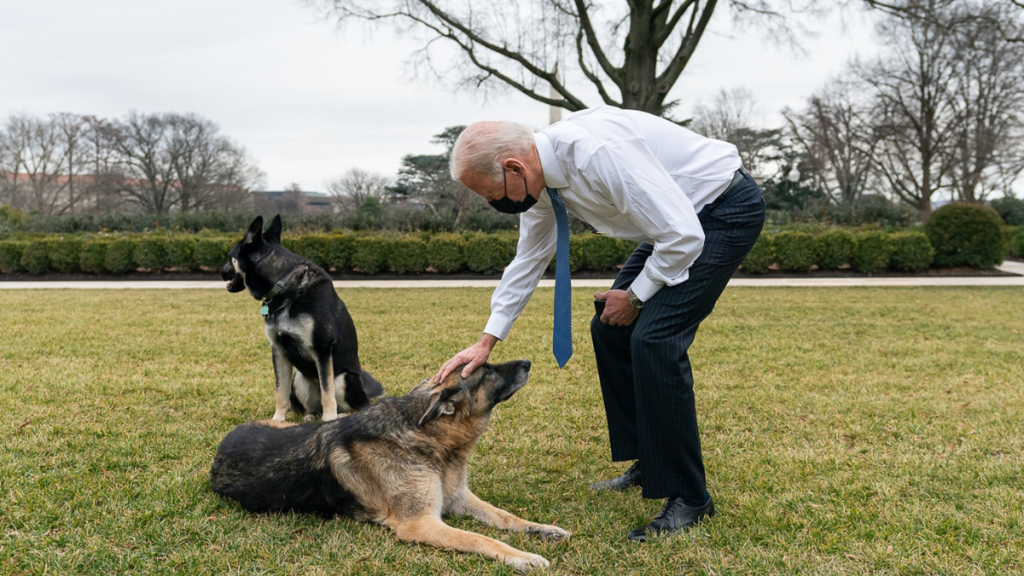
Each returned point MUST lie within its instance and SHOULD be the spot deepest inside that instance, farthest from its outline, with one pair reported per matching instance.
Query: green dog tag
(264, 310)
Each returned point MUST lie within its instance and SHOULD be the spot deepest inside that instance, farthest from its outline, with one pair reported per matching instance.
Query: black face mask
(507, 206)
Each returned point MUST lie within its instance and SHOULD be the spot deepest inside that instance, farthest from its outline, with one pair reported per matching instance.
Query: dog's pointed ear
(442, 403)
(255, 232)
(273, 234)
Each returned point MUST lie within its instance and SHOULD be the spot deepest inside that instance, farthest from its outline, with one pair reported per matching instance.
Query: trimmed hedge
(369, 253)
(872, 252)
(180, 253)
(151, 252)
(911, 251)
(489, 253)
(120, 256)
(212, 253)
(796, 251)
(65, 254)
(1016, 247)
(92, 255)
(337, 251)
(10, 256)
(35, 258)
(446, 253)
(966, 235)
(835, 248)
(761, 255)
(408, 255)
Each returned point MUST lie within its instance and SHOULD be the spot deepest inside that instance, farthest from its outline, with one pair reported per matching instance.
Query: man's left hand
(617, 309)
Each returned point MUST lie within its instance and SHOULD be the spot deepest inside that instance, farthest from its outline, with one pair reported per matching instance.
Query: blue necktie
(561, 338)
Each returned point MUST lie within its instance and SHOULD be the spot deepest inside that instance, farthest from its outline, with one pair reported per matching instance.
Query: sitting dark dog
(401, 462)
(308, 326)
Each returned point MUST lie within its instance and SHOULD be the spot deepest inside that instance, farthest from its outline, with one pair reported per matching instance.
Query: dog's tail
(373, 388)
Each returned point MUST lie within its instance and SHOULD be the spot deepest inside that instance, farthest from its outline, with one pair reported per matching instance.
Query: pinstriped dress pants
(644, 368)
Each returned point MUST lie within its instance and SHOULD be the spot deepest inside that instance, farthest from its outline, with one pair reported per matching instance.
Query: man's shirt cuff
(498, 326)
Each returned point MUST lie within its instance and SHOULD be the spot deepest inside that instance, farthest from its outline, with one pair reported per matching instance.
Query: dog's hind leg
(469, 503)
(283, 374)
(325, 370)
(432, 531)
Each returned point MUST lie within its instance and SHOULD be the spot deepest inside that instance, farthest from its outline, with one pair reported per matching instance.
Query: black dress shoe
(629, 479)
(674, 517)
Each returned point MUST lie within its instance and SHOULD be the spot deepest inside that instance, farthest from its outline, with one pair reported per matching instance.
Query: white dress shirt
(630, 175)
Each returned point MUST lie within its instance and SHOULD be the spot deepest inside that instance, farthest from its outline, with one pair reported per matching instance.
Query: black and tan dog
(309, 327)
(400, 462)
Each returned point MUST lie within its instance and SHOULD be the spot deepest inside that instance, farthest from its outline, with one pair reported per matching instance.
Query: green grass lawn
(846, 431)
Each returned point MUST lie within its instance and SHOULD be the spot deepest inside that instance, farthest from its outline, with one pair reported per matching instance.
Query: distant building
(292, 201)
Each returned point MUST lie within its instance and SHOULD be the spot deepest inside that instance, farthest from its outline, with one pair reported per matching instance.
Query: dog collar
(275, 291)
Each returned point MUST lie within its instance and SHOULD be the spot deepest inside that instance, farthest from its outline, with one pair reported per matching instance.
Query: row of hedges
(955, 235)
(445, 253)
(867, 252)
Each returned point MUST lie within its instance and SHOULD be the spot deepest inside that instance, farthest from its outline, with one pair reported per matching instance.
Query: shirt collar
(553, 176)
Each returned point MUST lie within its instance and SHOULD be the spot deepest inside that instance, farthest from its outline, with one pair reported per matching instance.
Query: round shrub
(835, 249)
(488, 253)
(408, 255)
(35, 259)
(1017, 243)
(120, 257)
(761, 255)
(151, 252)
(93, 255)
(871, 252)
(1011, 210)
(795, 251)
(65, 254)
(601, 252)
(911, 251)
(966, 235)
(180, 253)
(10, 256)
(212, 253)
(446, 253)
(369, 253)
(337, 251)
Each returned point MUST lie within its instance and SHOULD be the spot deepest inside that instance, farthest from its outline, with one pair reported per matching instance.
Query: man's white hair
(483, 146)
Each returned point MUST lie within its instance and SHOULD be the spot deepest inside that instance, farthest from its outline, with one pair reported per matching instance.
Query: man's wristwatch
(634, 301)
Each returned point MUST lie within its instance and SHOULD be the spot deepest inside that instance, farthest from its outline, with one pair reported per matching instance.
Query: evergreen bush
(180, 253)
(489, 253)
(65, 254)
(835, 248)
(10, 256)
(911, 251)
(761, 256)
(369, 253)
(120, 256)
(92, 255)
(35, 258)
(601, 252)
(446, 253)
(871, 252)
(795, 251)
(966, 235)
(337, 251)
(408, 255)
(151, 252)
(211, 253)
(1017, 243)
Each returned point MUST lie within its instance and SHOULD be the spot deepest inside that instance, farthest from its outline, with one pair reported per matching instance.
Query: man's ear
(255, 232)
(273, 234)
(442, 403)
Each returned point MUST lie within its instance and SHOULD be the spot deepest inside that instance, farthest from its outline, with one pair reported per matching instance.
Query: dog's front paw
(308, 419)
(280, 416)
(328, 417)
(548, 532)
(528, 562)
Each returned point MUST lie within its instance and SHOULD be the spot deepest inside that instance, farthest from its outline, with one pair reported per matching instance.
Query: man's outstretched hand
(470, 359)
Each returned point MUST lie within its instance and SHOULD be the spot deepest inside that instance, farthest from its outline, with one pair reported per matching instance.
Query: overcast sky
(309, 102)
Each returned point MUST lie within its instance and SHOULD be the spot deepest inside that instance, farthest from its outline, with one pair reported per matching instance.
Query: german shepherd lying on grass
(309, 327)
(400, 462)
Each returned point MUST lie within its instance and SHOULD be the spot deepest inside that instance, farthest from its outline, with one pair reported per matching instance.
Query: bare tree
(142, 144)
(733, 116)
(352, 189)
(916, 121)
(988, 99)
(836, 136)
(631, 53)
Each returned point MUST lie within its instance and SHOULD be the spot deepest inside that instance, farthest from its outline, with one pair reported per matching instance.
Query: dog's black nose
(525, 364)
